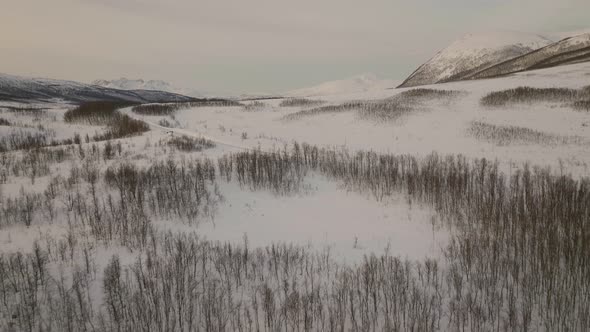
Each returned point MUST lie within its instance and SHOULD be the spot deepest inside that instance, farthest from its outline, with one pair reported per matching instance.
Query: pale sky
(251, 46)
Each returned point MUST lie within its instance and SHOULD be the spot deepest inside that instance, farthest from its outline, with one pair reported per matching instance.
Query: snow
(439, 127)
(569, 50)
(328, 216)
(360, 83)
(325, 216)
(473, 52)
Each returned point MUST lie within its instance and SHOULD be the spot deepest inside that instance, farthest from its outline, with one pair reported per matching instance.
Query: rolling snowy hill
(140, 84)
(361, 83)
(27, 90)
(472, 53)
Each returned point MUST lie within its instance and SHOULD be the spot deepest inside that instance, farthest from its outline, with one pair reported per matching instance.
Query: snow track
(128, 111)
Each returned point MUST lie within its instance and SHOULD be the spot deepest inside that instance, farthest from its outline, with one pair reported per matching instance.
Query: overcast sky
(253, 45)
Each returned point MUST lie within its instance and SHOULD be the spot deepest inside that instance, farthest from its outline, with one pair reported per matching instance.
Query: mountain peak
(28, 90)
(473, 52)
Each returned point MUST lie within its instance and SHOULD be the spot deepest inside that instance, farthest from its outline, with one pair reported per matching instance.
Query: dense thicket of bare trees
(300, 102)
(534, 95)
(583, 105)
(95, 113)
(171, 108)
(518, 258)
(105, 113)
(507, 135)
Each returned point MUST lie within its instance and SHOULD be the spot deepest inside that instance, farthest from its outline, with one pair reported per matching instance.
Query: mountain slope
(567, 51)
(472, 53)
(140, 84)
(21, 89)
(359, 83)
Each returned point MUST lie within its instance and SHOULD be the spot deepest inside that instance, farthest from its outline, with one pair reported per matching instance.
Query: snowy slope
(140, 84)
(22, 89)
(569, 50)
(361, 83)
(472, 53)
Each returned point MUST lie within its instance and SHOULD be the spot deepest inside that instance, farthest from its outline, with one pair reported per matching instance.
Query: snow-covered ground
(324, 216)
(436, 127)
(365, 225)
(327, 215)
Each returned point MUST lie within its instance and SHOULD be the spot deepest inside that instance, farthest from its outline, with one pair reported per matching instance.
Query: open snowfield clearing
(325, 216)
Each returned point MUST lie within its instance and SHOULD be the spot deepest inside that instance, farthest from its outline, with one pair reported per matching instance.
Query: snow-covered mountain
(472, 53)
(27, 90)
(567, 51)
(140, 84)
(361, 83)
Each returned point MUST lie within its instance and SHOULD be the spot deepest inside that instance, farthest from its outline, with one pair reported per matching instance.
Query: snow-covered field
(363, 225)
(347, 224)
(434, 127)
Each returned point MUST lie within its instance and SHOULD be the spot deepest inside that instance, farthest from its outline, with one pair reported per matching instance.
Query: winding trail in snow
(128, 111)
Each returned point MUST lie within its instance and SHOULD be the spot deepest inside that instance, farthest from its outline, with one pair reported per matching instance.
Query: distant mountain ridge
(472, 53)
(566, 51)
(27, 90)
(140, 84)
(499, 53)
